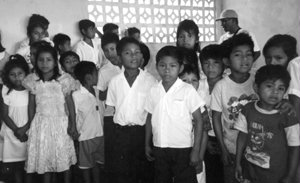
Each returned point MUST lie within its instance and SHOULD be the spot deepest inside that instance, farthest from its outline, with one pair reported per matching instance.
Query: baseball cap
(227, 13)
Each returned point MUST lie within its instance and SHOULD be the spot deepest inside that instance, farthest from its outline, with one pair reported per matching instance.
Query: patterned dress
(50, 148)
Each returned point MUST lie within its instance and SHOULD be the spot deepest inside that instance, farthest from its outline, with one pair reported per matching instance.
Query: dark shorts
(173, 165)
(91, 152)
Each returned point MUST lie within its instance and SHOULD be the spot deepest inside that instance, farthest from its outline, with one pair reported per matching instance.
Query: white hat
(228, 13)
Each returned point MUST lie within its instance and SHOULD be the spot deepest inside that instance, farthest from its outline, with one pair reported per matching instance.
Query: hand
(285, 107)
(73, 133)
(238, 173)
(226, 158)
(286, 180)
(194, 158)
(199, 167)
(20, 133)
(149, 153)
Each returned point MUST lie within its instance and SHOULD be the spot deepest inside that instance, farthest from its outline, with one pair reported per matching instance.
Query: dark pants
(109, 134)
(172, 165)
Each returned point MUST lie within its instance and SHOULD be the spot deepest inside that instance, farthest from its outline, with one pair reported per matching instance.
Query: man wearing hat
(230, 24)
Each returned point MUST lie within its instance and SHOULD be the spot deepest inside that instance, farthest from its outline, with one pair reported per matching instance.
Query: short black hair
(82, 69)
(272, 72)
(60, 39)
(66, 54)
(31, 27)
(109, 27)
(212, 51)
(36, 18)
(235, 41)
(287, 42)
(85, 24)
(109, 38)
(170, 51)
(39, 44)
(146, 54)
(124, 41)
(132, 30)
(189, 69)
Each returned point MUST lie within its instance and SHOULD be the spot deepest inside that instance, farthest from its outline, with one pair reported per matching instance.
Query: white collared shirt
(172, 114)
(293, 68)
(89, 114)
(129, 101)
(92, 54)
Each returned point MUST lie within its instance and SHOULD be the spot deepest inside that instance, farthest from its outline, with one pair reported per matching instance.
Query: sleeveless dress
(11, 148)
(50, 148)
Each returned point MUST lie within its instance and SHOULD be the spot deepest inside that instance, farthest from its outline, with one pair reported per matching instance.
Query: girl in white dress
(14, 113)
(50, 148)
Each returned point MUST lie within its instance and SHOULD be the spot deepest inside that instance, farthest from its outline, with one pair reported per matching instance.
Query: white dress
(50, 148)
(11, 149)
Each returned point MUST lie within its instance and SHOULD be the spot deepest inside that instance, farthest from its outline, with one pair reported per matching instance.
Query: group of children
(99, 108)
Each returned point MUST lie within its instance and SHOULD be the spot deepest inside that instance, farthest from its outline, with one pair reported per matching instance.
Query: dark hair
(189, 57)
(67, 54)
(170, 51)
(272, 72)
(132, 30)
(191, 27)
(124, 41)
(146, 54)
(14, 61)
(235, 41)
(109, 27)
(109, 38)
(287, 42)
(85, 24)
(53, 52)
(39, 44)
(60, 39)
(36, 18)
(82, 69)
(189, 69)
(212, 51)
(31, 27)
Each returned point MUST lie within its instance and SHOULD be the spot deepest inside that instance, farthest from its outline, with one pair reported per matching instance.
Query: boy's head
(34, 48)
(68, 61)
(35, 32)
(280, 49)
(188, 35)
(87, 28)
(190, 75)
(129, 52)
(86, 72)
(239, 51)
(169, 63)
(146, 55)
(271, 83)
(111, 27)
(62, 42)
(134, 33)
(109, 42)
(211, 58)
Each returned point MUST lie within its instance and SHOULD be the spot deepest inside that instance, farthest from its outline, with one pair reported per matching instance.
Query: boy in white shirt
(89, 47)
(171, 104)
(88, 121)
(127, 94)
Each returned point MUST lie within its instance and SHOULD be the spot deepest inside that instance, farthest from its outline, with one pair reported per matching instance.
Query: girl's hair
(191, 27)
(31, 27)
(189, 57)
(189, 69)
(15, 61)
(287, 42)
(53, 52)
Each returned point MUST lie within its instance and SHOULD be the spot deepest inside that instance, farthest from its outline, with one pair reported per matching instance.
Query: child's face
(241, 59)
(276, 56)
(90, 32)
(168, 68)
(213, 68)
(115, 31)
(192, 79)
(131, 56)
(45, 62)
(94, 77)
(137, 36)
(16, 76)
(69, 64)
(187, 39)
(66, 46)
(110, 53)
(271, 92)
(37, 34)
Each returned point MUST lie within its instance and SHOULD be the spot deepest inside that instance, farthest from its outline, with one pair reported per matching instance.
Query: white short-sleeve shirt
(172, 114)
(129, 101)
(294, 68)
(89, 114)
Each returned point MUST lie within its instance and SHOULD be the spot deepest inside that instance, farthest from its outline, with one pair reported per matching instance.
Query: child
(33, 50)
(4, 56)
(14, 111)
(62, 43)
(111, 28)
(134, 33)
(211, 59)
(89, 122)
(89, 48)
(269, 138)
(36, 18)
(49, 147)
(68, 61)
(171, 104)
(229, 95)
(112, 68)
(127, 94)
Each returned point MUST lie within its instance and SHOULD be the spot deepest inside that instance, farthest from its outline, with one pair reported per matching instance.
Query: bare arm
(198, 132)
(241, 144)
(295, 101)
(31, 109)
(72, 131)
(148, 138)
(293, 160)
(7, 120)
